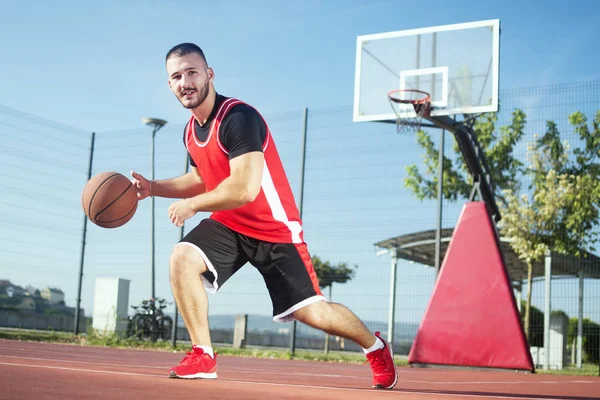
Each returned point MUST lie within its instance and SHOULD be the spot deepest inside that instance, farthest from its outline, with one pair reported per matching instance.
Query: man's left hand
(180, 211)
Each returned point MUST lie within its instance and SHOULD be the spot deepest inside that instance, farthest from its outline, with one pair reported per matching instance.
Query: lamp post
(156, 125)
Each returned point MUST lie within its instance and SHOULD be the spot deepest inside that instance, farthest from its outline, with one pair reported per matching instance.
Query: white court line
(259, 371)
(398, 391)
(369, 390)
(53, 352)
(81, 370)
(254, 371)
(60, 347)
(265, 372)
(84, 362)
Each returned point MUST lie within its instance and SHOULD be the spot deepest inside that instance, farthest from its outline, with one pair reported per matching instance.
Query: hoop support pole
(478, 167)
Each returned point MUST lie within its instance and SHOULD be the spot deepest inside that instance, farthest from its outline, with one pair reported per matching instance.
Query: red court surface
(52, 371)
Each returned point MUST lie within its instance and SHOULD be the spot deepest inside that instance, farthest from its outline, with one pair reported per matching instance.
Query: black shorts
(285, 267)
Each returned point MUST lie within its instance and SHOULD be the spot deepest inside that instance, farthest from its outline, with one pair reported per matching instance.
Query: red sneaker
(195, 365)
(385, 374)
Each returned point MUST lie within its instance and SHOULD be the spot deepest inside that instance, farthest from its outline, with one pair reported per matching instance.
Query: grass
(114, 340)
(40, 336)
(586, 370)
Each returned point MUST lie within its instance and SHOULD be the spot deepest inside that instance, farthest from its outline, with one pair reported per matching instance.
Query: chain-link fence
(354, 196)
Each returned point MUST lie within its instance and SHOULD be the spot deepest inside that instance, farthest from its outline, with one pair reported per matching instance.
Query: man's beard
(202, 95)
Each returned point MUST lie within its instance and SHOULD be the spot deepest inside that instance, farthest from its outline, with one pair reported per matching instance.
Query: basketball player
(237, 175)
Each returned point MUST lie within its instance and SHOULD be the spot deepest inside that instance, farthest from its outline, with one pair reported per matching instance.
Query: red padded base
(472, 318)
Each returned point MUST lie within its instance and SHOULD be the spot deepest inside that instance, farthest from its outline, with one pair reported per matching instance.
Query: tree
(329, 274)
(530, 222)
(561, 210)
(498, 148)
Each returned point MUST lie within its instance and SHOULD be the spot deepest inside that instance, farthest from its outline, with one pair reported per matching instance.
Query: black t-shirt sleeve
(242, 131)
(192, 163)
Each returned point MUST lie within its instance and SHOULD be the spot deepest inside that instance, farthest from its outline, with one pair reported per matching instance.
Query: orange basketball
(109, 199)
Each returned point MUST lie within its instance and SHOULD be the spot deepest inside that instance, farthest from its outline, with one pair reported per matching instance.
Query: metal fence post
(547, 308)
(83, 237)
(181, 234)
(301, 199)
(440, 191)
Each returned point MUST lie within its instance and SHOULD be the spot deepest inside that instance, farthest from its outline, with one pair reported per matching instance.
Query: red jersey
(273, 215)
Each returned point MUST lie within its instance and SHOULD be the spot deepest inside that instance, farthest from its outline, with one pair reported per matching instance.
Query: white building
(111, 302)
(53, 295)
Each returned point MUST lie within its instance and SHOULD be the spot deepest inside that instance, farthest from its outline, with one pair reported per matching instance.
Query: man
(236, 174)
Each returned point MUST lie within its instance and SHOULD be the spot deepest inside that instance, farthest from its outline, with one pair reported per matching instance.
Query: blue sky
(100, 67)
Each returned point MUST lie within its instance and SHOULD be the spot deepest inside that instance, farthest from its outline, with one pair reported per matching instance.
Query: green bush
(7, 302)
(590, 338)
(536, 326)
(591, 333)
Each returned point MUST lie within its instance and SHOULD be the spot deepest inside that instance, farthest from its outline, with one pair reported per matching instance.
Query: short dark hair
(184, 49)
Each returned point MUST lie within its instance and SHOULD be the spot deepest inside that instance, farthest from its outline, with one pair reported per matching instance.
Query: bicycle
(149, 321)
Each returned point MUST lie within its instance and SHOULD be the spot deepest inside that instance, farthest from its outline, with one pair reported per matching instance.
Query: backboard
(456, 64)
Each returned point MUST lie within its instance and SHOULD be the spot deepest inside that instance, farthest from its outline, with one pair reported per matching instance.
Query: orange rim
(424, 100)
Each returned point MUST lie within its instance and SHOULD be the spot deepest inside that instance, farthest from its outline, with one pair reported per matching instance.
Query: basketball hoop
(408, 119)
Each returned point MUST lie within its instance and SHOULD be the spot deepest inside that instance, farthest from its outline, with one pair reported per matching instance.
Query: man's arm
(242, 186)
(181, 187)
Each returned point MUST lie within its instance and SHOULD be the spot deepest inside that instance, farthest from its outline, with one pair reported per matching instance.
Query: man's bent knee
(186, 259)
(316, 314)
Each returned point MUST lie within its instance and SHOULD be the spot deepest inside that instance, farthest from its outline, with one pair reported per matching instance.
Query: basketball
(109, 199)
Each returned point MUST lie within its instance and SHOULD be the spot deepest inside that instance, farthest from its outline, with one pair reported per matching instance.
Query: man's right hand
(141, 184)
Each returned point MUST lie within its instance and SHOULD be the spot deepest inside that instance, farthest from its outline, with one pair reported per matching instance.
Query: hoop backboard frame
(396, 57)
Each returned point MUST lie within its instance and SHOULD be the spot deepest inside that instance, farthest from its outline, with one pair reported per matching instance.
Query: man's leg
(188, 289)
(336, 320)
(186, 265)
(202, 262)
(294, 289)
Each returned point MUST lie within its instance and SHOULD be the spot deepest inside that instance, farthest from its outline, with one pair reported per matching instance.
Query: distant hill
(263, 323)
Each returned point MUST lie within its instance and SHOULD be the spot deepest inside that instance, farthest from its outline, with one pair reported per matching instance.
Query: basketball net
(410, 106)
